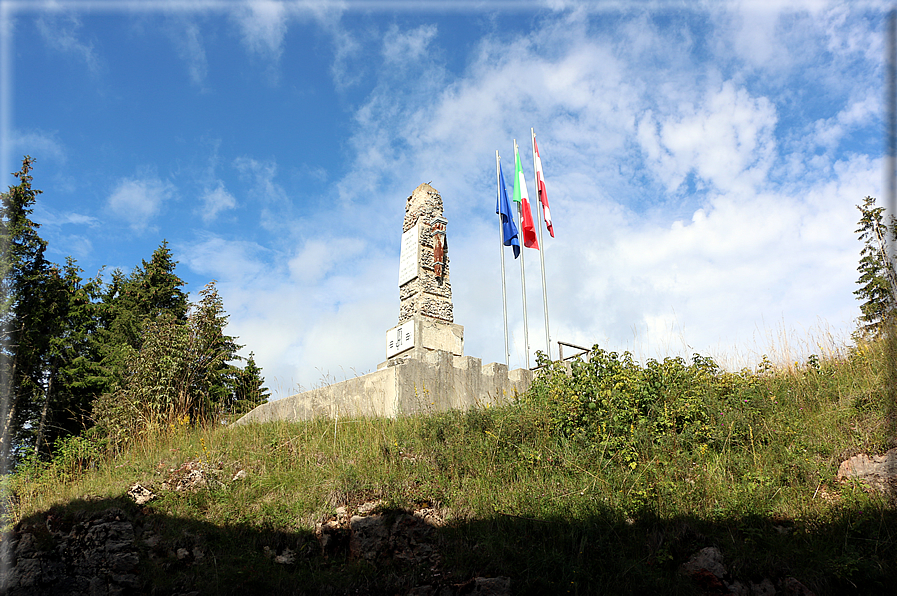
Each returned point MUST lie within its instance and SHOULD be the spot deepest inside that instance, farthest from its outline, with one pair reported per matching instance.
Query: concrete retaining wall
(433, 381)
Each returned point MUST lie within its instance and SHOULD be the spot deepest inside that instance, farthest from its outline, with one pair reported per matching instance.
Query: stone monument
(426, 319)
(425, 367)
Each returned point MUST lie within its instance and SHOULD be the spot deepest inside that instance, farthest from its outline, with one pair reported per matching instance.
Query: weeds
(602, 480)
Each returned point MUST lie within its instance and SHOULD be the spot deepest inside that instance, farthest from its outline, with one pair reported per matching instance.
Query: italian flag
(522, 197)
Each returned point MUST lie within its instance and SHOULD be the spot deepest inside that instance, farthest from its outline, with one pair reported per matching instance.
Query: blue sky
(703, 163)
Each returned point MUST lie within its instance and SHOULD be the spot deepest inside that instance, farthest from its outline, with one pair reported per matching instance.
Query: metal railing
(582, 351)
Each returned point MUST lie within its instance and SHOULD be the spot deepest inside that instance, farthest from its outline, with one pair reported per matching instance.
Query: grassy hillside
(605, 480)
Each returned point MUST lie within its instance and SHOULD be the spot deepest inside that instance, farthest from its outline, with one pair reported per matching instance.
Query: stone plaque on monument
(410, 255)
(400, 339)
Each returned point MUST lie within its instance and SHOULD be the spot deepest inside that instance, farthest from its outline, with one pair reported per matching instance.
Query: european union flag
(503, 208)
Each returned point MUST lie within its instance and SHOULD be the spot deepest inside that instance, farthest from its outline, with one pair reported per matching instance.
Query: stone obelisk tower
(426, 321)
(425, 367)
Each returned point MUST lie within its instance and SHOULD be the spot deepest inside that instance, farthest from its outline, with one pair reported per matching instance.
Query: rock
(708, 559)
(706, 569)
(764, 588)
(430, 516)
(369, 507)
(288, 557)
(332, 537)
(141, 494)
(239, 476)
(877, 471)
(487, 586)
(368, 536)
(94, 554)
(190, 476)
(411, 539)
(792, 587)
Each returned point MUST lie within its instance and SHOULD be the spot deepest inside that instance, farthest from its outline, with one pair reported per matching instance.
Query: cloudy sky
(703, 164)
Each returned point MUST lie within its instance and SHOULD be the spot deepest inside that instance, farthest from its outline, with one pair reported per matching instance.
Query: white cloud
(727, 141)
(138, 200)
(625, 268)
(263, 24)
(306, 314)
(60, 32)
(400, 47)
(275, 211)
(228, 261)
(860, 112)
(215, 200)
(188, 42)
(39, 145)
(52, 218)
(636, 264)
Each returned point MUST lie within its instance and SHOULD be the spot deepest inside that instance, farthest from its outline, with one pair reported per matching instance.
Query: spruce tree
(129, 302)
(877, 277)
(251, 390)
(24, 312)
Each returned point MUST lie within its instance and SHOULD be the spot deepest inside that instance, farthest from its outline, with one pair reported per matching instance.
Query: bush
(628, 410)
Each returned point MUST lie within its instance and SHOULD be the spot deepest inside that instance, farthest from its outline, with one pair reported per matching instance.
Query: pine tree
(151, 292)
(75, 377)
(49, 318)
(24, 311)
(181, 372)
(251, 390)
(877, 277)
(213, 354)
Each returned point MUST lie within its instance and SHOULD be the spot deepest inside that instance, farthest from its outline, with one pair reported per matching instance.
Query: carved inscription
(410, 255)
(399, 339)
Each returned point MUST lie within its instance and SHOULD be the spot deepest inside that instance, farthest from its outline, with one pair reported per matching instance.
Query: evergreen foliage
(251, 390)
(181, 373)
(28, 314)
(877, 278)
(72, 347)
(151, 292)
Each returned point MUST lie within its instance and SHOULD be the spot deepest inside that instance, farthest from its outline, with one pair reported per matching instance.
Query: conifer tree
(152, 291)
(877, 279)
(251, 390)
(24, 312)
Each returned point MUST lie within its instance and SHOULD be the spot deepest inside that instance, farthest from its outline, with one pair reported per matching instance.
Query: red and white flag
(540, 190)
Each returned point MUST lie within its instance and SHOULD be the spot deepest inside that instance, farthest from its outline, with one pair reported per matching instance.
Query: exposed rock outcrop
(96, 554)
(877, 471)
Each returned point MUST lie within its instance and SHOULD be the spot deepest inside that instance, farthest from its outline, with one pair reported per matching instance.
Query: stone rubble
(94, 555)
(707, 570)
(141, 494)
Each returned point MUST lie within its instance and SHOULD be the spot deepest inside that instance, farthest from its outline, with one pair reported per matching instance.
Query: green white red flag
(521, 196)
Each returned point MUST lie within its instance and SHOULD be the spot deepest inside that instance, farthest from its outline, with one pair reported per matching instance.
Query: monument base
(420, 334)
(437, 382)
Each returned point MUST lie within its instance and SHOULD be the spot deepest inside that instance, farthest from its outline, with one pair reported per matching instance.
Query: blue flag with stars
(503, 208)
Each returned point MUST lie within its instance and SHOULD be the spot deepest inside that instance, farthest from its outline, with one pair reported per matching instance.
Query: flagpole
(541, 210)
(522, 272)
(501, 247)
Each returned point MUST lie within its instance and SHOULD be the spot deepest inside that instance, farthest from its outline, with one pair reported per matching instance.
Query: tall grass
(605, 480)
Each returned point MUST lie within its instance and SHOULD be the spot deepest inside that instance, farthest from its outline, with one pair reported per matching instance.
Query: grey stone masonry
(425, 368)
(430, 292)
